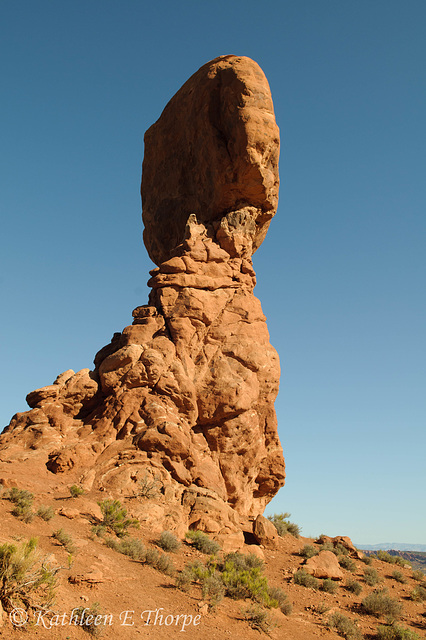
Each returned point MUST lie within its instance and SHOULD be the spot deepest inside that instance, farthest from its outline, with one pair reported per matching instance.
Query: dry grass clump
(64, 539)
(329, 586)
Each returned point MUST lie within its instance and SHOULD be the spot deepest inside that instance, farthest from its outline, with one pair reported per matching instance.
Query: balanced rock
(213, 152)
(182, 400)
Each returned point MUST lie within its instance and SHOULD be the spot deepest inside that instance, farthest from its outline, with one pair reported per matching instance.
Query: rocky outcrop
(183, 398)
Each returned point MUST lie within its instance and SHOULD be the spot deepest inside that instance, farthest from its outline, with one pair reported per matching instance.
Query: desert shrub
(328, 585)
(212, 588)
(367, 559)
(136, 550)
(283, 525)
(395, 632)
(378, 603)
(168, 541)
(278, 596)
(340, 550)
(308, 551)
(64, 539)
(243, 578)
(418, 575)
(398, 576)
(76, 491)
(45, 513)
(305, 579)
(128, 546)
(328, 546)
(259, 619)
(115, 517)
(202, 542)
(384, 556)
(418, 594)
(23, 501)
(149, 487)
(99, 530)
(321, 607)
(371, 576)
(164, 564)
(354, 586)
(26, 578)
(347, 563)
(344, 626)
(91, 619)
(191, 572)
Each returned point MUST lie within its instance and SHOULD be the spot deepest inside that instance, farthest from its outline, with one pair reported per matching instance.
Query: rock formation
(184, 396)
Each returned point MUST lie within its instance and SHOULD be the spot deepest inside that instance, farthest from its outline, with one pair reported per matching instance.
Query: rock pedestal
(184, 397)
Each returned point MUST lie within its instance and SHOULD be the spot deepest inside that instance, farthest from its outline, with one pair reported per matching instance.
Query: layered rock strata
(183, 398)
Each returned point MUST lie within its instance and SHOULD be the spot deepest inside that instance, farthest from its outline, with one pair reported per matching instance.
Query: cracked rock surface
(184, 395)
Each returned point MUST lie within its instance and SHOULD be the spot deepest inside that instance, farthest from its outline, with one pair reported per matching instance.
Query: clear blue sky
(341, 275)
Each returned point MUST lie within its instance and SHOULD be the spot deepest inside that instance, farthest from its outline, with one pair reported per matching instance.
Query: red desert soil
(119, 584)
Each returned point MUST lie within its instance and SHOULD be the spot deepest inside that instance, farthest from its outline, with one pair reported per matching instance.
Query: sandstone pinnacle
(184, 396)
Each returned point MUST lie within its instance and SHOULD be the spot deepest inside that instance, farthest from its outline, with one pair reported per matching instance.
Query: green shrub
(259, 619)
(283, 525)
(308, 551)
(398, 576)
(202, 542)
(344, 626)
(347, 563)
(418, 594)
(91, 619)
(378, 603)
(26, 578)
(278, 596)
(371, 576)
(212, 588)
(354, 586)
(328, 585)
(128, 546)
(64, 539)
(340, 550)
(418, 575)
(115, 517)
(76, 491)
(23, 501)
(243, 578)
(395, 632)
(384, 556)
(305, 579)
(367, 559)
(45, 513)
(168, 541)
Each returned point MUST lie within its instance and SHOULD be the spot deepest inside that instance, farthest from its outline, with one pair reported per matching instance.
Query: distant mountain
(397, 546)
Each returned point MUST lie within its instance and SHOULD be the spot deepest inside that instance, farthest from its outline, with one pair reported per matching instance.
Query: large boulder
(213, 151)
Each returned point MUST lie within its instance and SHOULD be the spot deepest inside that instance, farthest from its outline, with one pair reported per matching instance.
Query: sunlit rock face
(185, 395)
